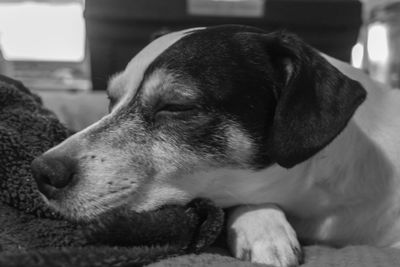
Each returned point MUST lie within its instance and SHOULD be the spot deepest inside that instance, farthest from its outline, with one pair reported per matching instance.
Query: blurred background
(67, 49)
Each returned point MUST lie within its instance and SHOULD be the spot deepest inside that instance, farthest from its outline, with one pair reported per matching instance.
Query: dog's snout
(52, 173)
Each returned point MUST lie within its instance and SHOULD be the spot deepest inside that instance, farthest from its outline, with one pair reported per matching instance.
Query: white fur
(267, 238)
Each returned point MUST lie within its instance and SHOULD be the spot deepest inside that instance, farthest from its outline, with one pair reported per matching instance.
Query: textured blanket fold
(33, 235)
(26, 130)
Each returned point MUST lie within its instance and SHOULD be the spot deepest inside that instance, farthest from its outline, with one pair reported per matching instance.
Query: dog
(298, 145)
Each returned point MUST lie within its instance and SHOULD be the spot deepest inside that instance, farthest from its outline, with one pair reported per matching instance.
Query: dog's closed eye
(175, 110)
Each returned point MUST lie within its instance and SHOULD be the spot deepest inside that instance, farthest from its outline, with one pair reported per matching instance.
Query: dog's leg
(261, 234)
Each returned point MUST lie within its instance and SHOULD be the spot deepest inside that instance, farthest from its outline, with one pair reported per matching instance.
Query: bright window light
(42, 31)
(377, 46)
(357, 55)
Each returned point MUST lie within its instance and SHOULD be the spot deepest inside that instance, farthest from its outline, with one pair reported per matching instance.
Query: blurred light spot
(357, 55)
(42, 31)
(377, 43)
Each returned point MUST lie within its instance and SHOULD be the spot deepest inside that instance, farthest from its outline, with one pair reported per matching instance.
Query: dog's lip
(44, 198)
(48, 192)
(89, 211)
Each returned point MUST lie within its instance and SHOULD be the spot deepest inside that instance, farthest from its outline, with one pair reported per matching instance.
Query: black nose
(52, 174)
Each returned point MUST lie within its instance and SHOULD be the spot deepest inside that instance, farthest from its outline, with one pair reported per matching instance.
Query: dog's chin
(90, 213)
(76, 213)
(81, 212)
(86, 212)
(76, 208)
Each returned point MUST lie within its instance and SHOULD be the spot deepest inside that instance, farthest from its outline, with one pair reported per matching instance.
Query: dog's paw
(261, 234)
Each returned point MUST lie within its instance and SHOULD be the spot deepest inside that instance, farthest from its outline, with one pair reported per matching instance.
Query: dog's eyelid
(176, 111)
(177, 107)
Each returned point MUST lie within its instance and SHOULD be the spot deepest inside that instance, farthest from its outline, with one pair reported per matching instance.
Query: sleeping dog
(299, 145)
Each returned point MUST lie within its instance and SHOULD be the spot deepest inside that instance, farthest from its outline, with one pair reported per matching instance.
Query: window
(43, 42)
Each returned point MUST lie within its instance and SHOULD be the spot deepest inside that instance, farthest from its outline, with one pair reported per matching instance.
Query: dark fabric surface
(33, 235)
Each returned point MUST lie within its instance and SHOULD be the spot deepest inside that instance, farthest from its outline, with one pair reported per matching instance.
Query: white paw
(261, 234)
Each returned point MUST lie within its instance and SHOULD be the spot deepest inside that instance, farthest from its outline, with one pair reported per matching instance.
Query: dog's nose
(52, 173)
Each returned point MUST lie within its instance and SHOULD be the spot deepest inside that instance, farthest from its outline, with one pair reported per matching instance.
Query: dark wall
(117, 30)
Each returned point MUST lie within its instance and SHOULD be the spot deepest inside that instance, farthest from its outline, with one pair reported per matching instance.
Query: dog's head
(194, 108)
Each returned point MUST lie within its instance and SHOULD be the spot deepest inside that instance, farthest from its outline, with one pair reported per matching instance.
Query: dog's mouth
(83, 208)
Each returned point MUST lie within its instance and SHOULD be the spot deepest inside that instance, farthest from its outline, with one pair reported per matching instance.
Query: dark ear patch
(315, 100)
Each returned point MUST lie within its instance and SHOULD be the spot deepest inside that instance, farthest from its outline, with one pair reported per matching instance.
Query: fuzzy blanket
(33, 235)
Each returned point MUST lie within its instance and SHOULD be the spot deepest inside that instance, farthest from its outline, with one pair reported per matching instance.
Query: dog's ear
(315, 101)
